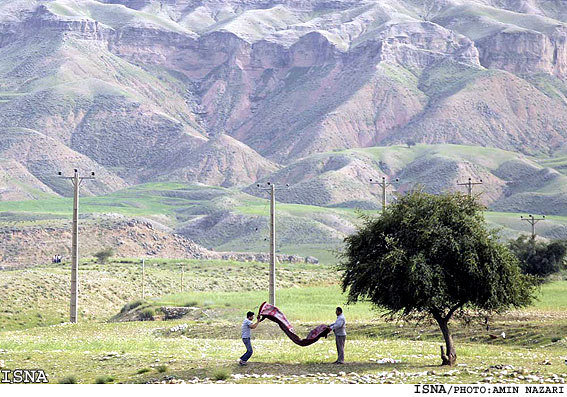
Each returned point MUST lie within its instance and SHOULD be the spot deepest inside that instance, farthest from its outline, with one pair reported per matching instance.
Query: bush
(221, 374)
(68, 380)
(190, 304)
(161, 368)
(104, 255)
(539, 258)
(101, 380)
(143, 371)
(132, 305)
(147, 314)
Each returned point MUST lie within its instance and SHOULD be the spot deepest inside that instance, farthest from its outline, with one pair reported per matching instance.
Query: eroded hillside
(227, 92)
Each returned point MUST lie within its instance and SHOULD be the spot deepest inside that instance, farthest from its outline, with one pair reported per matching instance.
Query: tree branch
(436, 314)
(453, 310)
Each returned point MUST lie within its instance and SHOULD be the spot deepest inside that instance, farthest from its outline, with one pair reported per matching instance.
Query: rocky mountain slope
(25, 245)
(127, 237)
(225, 92)
(317, 94)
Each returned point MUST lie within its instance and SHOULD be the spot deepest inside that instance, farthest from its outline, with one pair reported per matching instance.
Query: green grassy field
(204, 346)
(39, 296)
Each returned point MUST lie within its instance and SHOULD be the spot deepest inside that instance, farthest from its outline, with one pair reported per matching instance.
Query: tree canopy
(433, 254)
(539, 258)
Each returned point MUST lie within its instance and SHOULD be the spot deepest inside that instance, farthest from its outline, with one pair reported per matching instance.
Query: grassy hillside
(215, 217)
(39, 296)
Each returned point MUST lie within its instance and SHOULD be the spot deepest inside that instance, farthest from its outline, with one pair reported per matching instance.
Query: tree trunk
(450, 356)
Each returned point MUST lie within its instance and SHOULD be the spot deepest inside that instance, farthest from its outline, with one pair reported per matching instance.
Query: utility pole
(384, 185)
(271, 187)
(532, 221)
(76, 179)
(470, 185)
(143, 279)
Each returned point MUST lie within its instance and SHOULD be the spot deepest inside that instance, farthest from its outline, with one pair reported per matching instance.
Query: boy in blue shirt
(247, 326)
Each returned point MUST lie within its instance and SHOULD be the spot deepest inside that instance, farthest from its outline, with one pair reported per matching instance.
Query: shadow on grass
(310, 368)
(287, 369)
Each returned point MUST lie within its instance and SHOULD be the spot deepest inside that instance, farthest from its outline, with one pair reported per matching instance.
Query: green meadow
(204, 345)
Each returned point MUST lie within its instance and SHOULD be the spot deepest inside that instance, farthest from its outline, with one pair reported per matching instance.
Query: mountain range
(319, 94)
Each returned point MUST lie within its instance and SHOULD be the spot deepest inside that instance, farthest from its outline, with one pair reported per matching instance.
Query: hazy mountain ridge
(228, 92)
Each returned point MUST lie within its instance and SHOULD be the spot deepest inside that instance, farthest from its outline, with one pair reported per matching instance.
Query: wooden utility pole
(384, 185)
(143, 279)
(273, 245)
(470, 185)
(532, 221)
(272, 286)
(76, 179)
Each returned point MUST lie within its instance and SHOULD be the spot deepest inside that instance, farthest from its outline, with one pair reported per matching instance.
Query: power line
(76, 180)
(384, 185)
(271, 187)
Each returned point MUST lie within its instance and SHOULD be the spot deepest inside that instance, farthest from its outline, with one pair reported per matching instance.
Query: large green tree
(433, 255)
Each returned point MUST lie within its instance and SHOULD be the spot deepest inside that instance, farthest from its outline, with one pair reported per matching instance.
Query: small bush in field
(104, 255)
(68, 380)
(221, 374)
(101, 380)
(147, 314)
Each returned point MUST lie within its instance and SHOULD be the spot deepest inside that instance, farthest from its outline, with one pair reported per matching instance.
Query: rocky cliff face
(226, 92)
(526, 52)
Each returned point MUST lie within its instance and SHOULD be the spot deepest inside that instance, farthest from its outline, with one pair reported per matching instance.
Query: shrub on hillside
(101, 380)
(539, 258)
(147, 314)
(221, 374)
(104, 255)
(132, 305)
